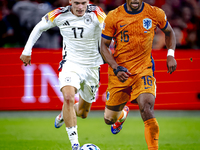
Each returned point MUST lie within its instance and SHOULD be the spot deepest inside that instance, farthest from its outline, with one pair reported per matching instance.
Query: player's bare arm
(170, 41)
(107, 54)
(121, 72)
(25, 59)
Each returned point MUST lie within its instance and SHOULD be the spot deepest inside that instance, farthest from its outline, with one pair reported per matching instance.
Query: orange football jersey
(133, 34)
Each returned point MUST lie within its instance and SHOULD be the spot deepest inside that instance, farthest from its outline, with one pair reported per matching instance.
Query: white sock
(124, 117)
(72, 134)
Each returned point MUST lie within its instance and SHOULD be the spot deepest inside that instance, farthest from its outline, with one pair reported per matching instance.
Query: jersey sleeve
(161, 19)
(100, 14)
(52, 15)
(108, 27)
(46, 23)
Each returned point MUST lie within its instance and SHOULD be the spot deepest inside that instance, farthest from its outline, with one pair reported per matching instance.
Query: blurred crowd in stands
(18, 17)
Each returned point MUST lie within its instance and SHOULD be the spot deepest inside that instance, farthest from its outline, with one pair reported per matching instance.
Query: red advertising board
(36, 87)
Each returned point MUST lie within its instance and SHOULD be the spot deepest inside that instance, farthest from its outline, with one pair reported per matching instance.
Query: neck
(134, 10)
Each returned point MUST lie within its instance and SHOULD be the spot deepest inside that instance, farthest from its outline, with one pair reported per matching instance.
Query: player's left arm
(170, 41)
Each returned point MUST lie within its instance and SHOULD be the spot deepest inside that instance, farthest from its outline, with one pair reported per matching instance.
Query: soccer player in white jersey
(80, 25)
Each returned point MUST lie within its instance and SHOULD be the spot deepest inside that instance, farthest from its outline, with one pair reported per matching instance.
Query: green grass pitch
(179, 130)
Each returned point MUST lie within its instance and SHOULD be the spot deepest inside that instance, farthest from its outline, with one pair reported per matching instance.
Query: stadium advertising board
(36, 87)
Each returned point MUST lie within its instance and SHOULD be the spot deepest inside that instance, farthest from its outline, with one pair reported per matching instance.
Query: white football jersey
(81, 35)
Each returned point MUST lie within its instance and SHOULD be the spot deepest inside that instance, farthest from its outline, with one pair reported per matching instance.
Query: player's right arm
(107, 34)
(107, 54)
(35, 34)
(121, 72)
(42, 26)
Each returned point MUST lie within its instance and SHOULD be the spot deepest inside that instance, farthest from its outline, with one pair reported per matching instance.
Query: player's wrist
(26, 53)
(170, 52)
(119, 68)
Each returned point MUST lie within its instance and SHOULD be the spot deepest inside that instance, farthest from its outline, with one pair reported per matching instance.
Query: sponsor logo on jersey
(122, 25)
(147, 87)
(147, 23)
(66, 23)
(87, 19)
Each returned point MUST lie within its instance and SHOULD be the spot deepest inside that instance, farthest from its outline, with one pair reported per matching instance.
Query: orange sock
(151, 133)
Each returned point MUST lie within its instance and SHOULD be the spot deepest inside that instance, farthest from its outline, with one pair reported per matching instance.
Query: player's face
(134, 5)
(79, 7)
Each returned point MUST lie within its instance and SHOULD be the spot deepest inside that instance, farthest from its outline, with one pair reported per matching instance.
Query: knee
(147, 111)
(68, 98)
(108, 122)
(146, 107)
(146, 104)
(83, 114)
(110, 117)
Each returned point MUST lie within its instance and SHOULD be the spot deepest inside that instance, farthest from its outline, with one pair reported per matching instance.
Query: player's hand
(171, 64)
(122, 73)
(25, 59)
(123, 76)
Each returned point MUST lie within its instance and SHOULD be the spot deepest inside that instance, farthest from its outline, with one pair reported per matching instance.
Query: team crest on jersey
(147, 23)
(88, 19)
(68, 79)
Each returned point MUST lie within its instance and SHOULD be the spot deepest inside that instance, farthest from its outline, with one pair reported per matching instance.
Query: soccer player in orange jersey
(131, 67)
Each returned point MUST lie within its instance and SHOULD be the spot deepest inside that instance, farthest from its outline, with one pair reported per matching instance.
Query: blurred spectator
(99, 3)
(30, 13)
(9, 24)
(190, 27)
(183, 15)
(168, 11)
(59, 3)
(179, 38)
(159, 40)
(110, 4)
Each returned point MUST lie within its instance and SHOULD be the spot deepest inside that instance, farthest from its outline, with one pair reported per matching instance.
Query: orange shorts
(118, 93)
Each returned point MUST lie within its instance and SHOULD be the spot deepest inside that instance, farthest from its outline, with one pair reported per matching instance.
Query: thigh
(90, 84)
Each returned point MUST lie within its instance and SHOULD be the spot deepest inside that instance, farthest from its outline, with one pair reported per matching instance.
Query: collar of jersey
(130, 12)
